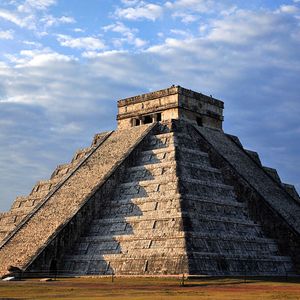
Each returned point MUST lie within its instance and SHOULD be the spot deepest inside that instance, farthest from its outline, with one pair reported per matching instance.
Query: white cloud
(6, 35)
(95, 54)
(66, 20)
(32, 15)
(87, 43)
(50, 20)
(130, 2)
(289, 9)
(67, 129)
(78, 30)
(180, 32)
(33, 44)
(30, 5)
(47, 58)
(129, 35)
(119, 27)
(23, 22)
(185, 17)
(34, 57)
(143, 10)
(189, 11)
(243, 26)
(200, 6)
(139, 42)
(229, 11)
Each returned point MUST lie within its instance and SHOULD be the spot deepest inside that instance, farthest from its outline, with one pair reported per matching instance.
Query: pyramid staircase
(140, 229)
(173, 213)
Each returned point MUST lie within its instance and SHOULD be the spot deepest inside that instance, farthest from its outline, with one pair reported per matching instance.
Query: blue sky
(63, 65)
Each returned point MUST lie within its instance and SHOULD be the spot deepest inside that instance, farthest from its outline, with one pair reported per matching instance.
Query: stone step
(217, 226)
(24, 202)
(195, 165)
(44, 186)
(131, 266)
(161, 199)
(154, 198)
(209, 189)
(194, 217)
(233, 246)
(242, 265)
(205, 244)
(128, 208)
(146, 209)
(137, 205)
(147, 233)
(155, 235)
(162, 140)
(137, 211)
(193, 156)
(187, 169)
(156, 156)
(81, 154)
(161, 135)
(197, 255)
(243, 257)
(134, 224)
(142, 254)
(158, 151)
(146, 253)
(63, 169)
(192, 151)
(214, 209)
(159, 179)
(114, 246)
(151, 166)
(163, 180)
(157, 265)
(150, 171)
(219, 200)
(138, 189)
(132, 219)
(200, 172)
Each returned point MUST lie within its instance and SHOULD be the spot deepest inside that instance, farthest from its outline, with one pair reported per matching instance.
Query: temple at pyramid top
(175, 102)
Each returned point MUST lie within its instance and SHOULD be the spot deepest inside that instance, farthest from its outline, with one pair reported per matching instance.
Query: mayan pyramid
(168, 192)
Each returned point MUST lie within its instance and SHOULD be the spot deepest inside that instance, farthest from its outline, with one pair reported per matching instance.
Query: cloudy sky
(63, 65)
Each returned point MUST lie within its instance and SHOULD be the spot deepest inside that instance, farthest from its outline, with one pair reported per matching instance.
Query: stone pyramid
(168, 192)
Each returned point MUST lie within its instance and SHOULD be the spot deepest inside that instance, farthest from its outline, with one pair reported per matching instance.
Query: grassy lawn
(151, 288)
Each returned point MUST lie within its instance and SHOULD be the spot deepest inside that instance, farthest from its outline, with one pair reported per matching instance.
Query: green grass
(151, 289)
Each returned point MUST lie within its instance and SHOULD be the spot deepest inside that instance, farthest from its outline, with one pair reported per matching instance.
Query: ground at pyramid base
(168, 192)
